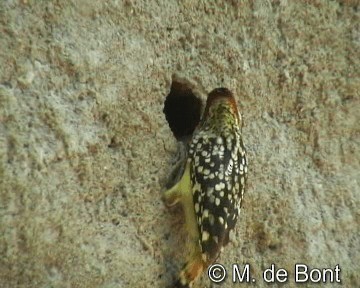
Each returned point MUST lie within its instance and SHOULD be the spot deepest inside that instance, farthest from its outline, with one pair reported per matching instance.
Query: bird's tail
(191, 271)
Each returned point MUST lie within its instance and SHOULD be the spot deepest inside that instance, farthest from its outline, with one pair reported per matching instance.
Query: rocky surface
(85, 149)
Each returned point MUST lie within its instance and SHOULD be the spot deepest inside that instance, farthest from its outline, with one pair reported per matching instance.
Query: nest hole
(182, 110)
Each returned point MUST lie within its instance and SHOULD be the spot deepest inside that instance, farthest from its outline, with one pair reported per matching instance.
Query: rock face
(85, 149)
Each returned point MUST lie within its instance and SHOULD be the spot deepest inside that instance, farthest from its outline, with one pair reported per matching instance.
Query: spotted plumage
(212, 186)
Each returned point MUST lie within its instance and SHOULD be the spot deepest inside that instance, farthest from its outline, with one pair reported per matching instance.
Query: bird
(212, 185)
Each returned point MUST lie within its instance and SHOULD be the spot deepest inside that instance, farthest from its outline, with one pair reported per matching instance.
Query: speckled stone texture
(85, 149)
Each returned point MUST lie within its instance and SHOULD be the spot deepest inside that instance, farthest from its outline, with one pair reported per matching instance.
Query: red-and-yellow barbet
(212, 186)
